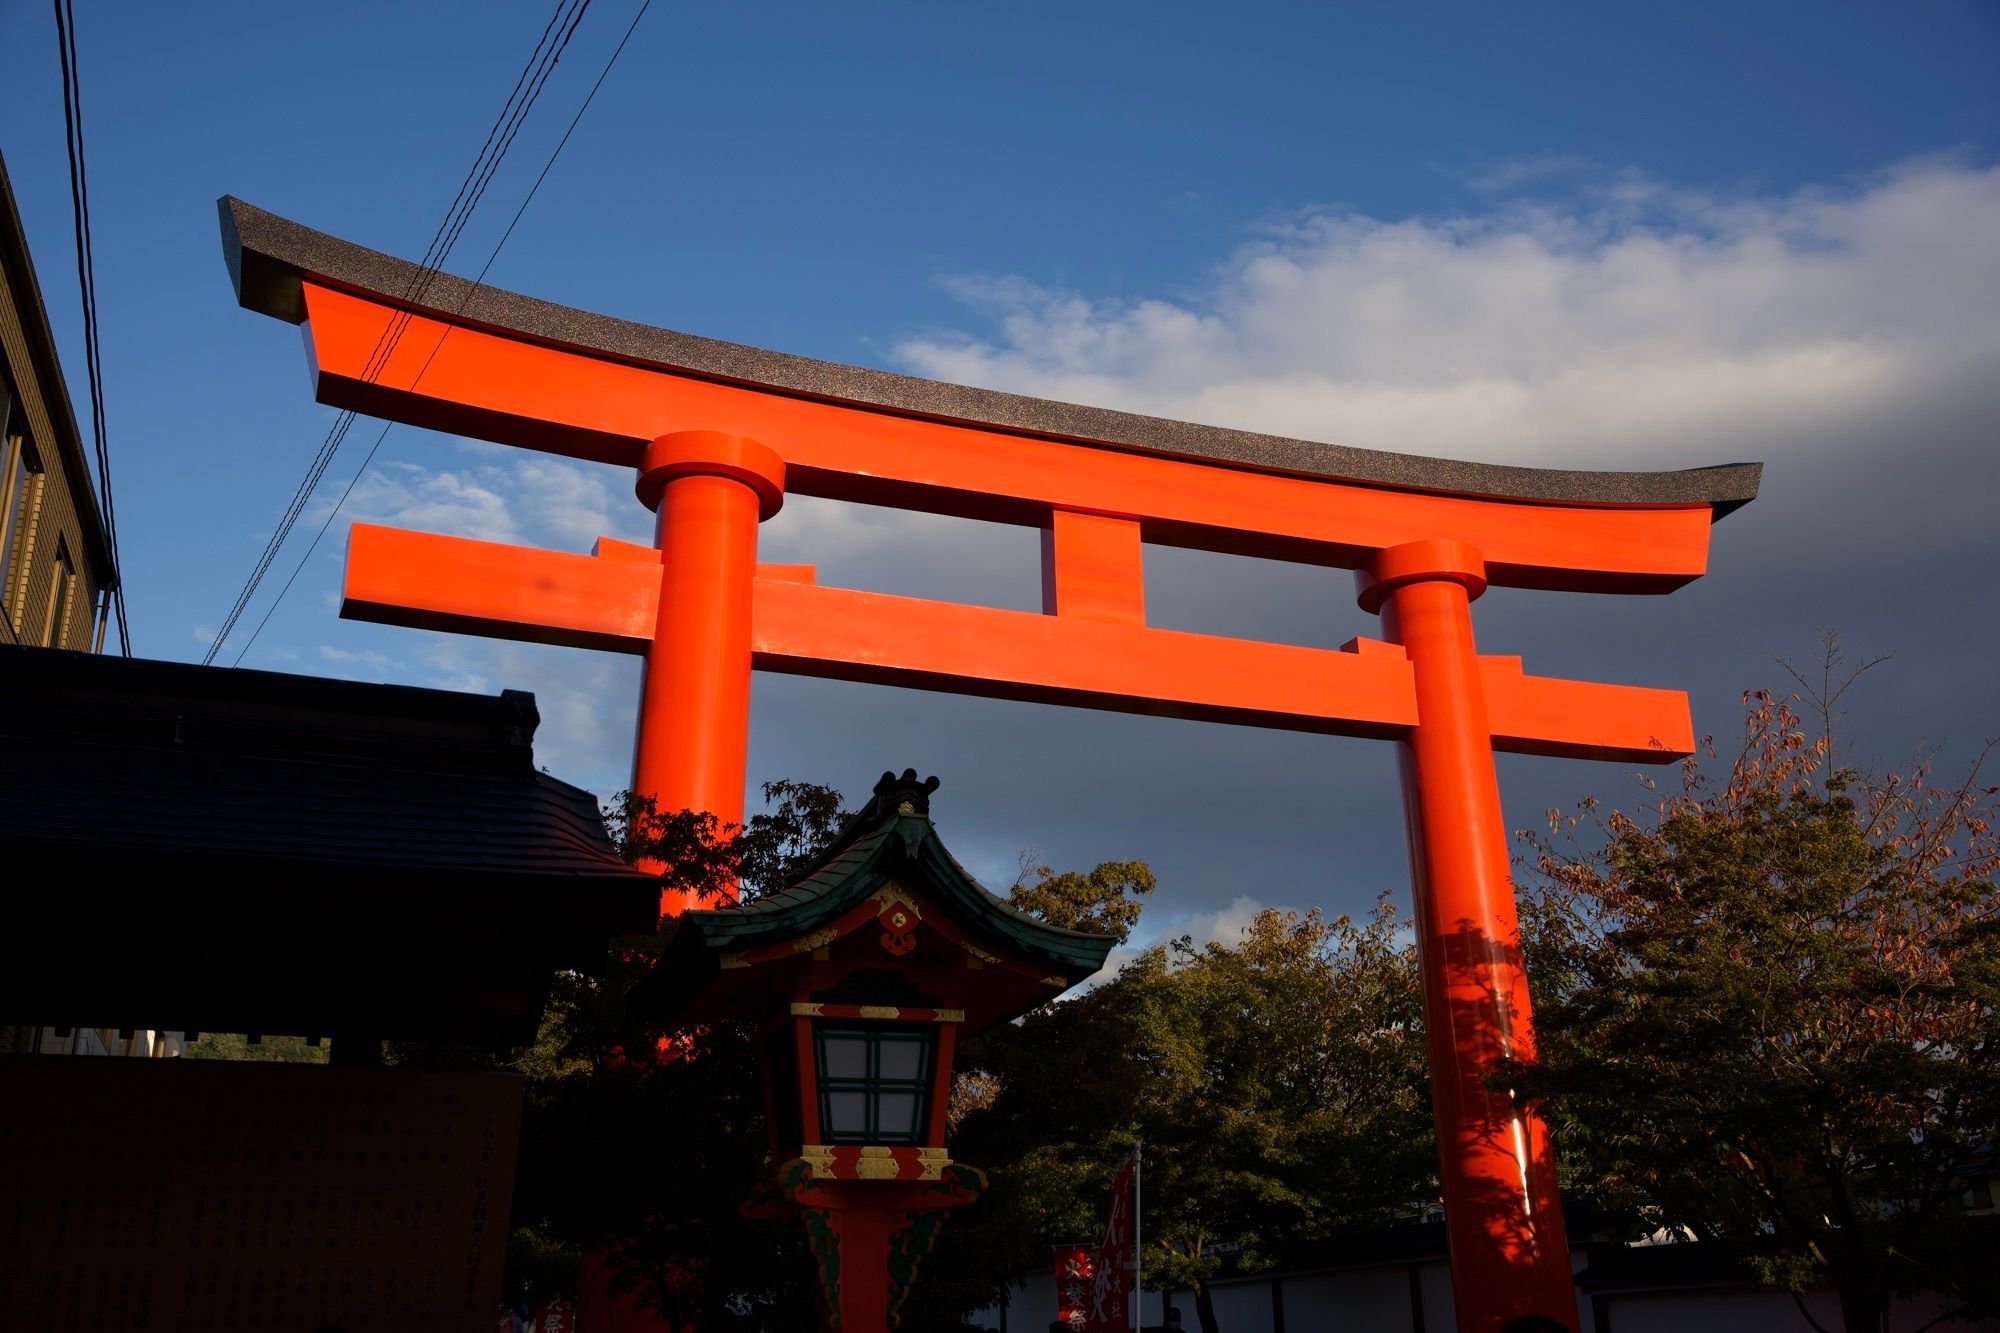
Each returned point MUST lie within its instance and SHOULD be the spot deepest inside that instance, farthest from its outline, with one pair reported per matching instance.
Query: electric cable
(484, 164)
(513, 113)
(86, 280)
(477, 283)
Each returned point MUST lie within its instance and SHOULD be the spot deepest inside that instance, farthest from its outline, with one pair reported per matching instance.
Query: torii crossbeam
(718, 434)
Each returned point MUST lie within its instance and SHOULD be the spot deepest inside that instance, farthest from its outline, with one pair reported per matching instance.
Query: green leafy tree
(1103, 900)
(702, 855)
(1276, 1084)
(778, 843)
(1769, 1013)
(1283, 1093)
(239, 1046)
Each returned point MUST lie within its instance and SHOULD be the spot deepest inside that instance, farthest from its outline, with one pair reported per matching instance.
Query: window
(874, 1083)
(62, 592)
(19, 472)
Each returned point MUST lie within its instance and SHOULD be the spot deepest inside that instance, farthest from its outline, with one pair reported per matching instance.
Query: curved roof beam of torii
(1188, 484)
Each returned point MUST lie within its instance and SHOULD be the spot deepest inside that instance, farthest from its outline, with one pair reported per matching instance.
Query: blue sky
(1621, 236)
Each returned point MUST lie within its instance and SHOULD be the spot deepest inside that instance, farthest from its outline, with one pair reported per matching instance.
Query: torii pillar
(1498, 1169)
(710, 491)
(717, 434)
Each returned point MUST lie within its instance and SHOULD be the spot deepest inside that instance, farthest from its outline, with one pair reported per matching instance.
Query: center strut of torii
(719, 433)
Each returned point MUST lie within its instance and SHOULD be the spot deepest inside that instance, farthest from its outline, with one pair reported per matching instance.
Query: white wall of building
(1378, 1300)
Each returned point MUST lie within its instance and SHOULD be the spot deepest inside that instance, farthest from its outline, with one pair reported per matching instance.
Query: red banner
(1111, 1294)
(1076, 1267)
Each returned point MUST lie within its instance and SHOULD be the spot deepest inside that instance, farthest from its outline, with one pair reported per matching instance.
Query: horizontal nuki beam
(609, 601)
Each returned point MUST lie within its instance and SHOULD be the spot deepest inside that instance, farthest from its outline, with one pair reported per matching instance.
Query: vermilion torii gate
(718, 434)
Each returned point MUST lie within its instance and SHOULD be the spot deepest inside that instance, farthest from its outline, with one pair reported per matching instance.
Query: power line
(513, 113)
(86, 281)
(561, 23)
(477, 282)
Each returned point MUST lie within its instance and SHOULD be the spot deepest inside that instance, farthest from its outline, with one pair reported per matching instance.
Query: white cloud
(1516, 173)
(587, 700)
(368, 664)
(407, 495)
(1636, 325)
(1224, 926)
(496, 495)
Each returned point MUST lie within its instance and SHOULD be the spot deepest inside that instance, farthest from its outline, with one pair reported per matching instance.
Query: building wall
(144, 1042)
(45, 569)
(55, 562)
(1380, 1299)
(1371, 1298)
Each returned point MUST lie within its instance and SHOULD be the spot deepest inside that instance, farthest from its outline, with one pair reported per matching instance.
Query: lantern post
(862, 974)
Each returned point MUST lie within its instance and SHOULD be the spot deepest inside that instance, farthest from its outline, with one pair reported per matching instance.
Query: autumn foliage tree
(1769, 1012)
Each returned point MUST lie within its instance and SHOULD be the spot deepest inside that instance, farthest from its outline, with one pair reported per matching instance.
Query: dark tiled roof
(118, 757)
(268, 254)
(199, 848)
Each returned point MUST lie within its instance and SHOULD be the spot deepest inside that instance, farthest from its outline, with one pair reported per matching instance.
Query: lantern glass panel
(903, 1059)
(897, 1115)
(846, 1115)
(843, 1055)
(874, 1082)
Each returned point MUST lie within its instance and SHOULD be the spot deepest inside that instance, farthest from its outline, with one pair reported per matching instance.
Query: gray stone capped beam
(268, 255)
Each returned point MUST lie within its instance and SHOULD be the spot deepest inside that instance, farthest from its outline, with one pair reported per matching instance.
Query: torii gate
(718, 433)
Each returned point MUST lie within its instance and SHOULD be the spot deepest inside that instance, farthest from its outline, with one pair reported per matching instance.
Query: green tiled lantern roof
(890, 839)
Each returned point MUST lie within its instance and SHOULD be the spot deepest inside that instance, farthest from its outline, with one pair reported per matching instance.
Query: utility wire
(539, 61)
(477, 283)
(513, 113)
(86, 281)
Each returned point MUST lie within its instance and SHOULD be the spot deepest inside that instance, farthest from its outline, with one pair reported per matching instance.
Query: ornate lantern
(862, 972)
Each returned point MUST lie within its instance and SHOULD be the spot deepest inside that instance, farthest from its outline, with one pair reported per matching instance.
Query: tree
(1103, 900)
(1769, 1012)
(1277, 1085)
(608, 1160)
(641, 1144)
(777, 843)
(239, 1046)
(1284, 1093)
(704, 856)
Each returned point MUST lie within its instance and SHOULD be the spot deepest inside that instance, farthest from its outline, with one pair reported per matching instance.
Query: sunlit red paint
(715, 458)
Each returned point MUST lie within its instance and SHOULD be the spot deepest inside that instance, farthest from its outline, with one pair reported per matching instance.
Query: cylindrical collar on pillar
(1442, 558)
(712, 453)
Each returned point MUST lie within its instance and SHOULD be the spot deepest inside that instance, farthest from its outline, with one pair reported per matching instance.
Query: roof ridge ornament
(906, 794)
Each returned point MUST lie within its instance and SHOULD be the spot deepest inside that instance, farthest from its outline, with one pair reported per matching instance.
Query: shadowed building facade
(205, 849)
(55, 564)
